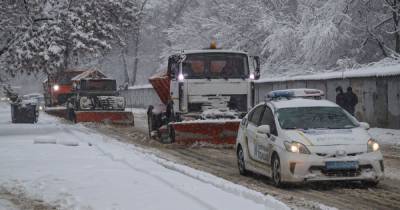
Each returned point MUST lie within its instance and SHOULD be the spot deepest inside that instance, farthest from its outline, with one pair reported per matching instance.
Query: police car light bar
(295, 93)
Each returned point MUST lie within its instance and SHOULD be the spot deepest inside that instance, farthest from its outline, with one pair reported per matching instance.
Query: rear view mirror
(364, 125)
(264, 129)
(256, 65)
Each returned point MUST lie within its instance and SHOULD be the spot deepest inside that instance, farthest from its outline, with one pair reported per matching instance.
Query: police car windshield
(215, 66)
(315, 118)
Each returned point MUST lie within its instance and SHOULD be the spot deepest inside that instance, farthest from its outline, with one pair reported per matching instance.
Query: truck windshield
(103, 85)
(215, 65)
(315, 118)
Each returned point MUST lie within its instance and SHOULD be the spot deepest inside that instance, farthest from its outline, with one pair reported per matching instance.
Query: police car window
(314, 117)
(268, 119)
(257, 114)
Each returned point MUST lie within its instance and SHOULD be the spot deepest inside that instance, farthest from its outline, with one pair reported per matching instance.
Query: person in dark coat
(351, 100)
(340, 98)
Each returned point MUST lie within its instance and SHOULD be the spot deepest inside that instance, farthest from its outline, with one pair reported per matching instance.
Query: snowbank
(386, 136)
(99, 172)
(136, 87)
(369, 71)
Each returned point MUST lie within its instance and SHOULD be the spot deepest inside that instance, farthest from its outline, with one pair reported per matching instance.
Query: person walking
(340, 98)
(351, 100)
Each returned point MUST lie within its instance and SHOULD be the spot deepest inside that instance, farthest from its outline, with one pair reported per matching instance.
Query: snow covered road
(222, 163)
(72, 167)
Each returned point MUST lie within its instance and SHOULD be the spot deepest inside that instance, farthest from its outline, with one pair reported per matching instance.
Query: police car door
(251, 129)
(264, 143)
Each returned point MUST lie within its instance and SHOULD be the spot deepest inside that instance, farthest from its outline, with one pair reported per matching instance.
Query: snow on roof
(92, 74)
(301, 102)
(136, 87)
(370, 71)
(212, 51)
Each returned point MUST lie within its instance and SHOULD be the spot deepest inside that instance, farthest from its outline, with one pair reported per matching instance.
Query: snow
(300, 102)
(369, 71)
(219, 121)
(136, 87)
(386, 136)
(73, 167)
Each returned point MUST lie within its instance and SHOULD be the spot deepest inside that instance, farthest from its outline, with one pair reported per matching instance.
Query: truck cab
(212, 84)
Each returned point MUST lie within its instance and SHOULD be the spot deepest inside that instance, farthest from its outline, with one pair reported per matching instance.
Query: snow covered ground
(386, 136)
(72, 167)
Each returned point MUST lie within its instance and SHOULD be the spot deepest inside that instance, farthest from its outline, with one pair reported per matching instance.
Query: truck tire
(171, 132)
(150, 118)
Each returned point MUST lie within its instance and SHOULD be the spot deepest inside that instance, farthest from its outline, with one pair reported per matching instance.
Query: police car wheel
(370, 183)
(276, 171)
(241, 163)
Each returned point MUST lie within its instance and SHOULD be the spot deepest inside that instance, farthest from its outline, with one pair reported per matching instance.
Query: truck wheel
(171, 132)
(150, 117)
(241, 163)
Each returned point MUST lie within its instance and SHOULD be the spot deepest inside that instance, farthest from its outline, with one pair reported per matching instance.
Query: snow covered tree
(53, 35)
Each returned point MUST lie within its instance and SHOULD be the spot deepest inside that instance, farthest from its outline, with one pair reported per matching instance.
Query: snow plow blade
(57, 111)
(212, 132)
(113, 117)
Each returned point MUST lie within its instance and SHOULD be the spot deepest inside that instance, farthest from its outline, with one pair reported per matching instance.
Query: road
(55, 164)
(222, 162)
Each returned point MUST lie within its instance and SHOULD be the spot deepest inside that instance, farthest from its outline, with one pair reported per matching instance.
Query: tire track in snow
(216, 181)
(354, 196)
(126, 163)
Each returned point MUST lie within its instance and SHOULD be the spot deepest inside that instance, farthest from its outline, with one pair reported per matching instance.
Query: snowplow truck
(97, 100)
(58, 87)
(204, 95)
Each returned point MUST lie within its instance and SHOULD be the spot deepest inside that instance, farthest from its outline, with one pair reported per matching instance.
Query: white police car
(296, 137)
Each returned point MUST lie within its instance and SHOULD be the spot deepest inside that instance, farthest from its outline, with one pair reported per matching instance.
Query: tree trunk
(396, 20)
(135, 56)
(126, 75)
(66, 58)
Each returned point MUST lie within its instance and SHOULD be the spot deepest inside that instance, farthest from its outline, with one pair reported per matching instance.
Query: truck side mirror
(171, 64)
(256, 65)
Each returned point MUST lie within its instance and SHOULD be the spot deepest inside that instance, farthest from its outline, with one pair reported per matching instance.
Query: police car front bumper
(307, 168)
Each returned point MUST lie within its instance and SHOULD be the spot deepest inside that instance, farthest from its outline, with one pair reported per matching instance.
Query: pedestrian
(340, 98)
(70, 110)
(351, 100)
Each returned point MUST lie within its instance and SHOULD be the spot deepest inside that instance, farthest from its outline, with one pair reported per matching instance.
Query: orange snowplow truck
(91, 97)
(58, 87)
(205, 93)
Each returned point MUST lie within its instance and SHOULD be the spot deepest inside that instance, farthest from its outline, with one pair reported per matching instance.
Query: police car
(295, 136)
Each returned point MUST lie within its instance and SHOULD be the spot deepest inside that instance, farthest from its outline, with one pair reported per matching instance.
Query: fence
(379, 96)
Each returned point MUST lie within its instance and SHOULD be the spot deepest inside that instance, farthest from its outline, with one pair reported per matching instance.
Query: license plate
(341, 165)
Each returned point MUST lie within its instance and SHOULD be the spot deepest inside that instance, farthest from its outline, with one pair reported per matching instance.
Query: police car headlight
(373, 146)
(296, 147)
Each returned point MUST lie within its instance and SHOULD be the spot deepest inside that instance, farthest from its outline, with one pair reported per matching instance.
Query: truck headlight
(373, 146)
(56, 87)
(296, 147)
(252, 77)
(181, 77)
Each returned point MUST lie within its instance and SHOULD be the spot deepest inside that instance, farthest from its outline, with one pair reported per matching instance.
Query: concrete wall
(379, 97)
(140, 98)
